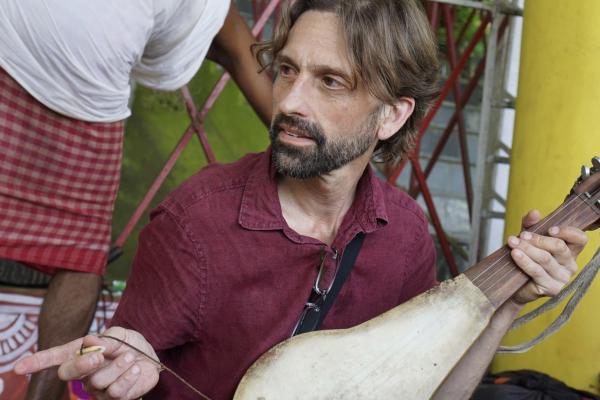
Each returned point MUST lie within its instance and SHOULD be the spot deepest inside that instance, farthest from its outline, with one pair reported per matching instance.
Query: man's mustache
(302, 126)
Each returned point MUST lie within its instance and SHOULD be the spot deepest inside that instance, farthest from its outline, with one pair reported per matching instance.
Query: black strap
(316, 310)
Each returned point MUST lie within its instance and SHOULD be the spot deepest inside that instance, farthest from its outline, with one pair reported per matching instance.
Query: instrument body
(388, 351)
(407, 352)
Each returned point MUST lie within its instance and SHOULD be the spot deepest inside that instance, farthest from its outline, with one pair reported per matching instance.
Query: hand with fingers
(117, 373)
(548, 260)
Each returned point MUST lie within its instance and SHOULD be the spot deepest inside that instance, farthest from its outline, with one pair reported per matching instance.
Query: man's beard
(326, 155)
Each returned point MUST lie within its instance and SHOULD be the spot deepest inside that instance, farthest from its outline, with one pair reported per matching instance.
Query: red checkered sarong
(58, 181)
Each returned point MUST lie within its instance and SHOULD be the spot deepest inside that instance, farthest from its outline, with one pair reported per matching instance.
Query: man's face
(321, 122)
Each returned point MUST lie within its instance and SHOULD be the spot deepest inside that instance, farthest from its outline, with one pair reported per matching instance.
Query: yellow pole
(557, 130)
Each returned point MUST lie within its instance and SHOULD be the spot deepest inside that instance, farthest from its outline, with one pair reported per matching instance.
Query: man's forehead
(317, 40)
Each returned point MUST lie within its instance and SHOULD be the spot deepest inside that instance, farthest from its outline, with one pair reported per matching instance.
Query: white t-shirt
(77, 56)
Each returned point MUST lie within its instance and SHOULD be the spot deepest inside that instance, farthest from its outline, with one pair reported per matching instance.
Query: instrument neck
(498, 277)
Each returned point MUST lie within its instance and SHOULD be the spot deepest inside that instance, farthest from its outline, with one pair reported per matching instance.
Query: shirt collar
(261, 210)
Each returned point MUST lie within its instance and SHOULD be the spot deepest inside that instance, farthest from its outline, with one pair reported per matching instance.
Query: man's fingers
(60, 354)
(112, 371)
(544, 252)
(147, 379)
(80, 366)
(133, 383)
(544, 283)
(124, 386)
(47, 358)
(575, 238)
(113, 347)
(550, 249)
(530, 219)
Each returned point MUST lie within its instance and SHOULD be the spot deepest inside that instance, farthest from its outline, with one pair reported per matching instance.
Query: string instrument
(407, 352)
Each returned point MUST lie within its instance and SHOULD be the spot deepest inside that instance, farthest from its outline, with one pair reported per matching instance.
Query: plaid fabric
(58, 182)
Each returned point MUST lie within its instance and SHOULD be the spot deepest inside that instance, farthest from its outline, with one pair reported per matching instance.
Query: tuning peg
(596, 164)
(585, 173)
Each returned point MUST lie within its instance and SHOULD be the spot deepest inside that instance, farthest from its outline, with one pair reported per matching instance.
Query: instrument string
(160, 365)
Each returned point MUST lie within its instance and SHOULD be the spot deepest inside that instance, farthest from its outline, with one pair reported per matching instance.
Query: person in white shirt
(66, 72)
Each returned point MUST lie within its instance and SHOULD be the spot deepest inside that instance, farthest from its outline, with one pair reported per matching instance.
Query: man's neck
(316, 207)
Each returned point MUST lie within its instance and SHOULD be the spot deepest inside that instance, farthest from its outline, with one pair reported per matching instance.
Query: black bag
(527, 385)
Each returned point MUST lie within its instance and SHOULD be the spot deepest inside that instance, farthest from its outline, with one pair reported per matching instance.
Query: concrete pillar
(557, 130)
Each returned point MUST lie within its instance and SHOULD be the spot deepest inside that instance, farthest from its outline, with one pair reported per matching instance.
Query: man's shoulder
(398, 202)
(210, 181)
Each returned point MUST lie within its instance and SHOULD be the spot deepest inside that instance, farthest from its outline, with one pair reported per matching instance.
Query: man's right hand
(118, 373)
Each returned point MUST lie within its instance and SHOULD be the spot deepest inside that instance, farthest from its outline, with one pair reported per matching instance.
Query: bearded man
(225, 267)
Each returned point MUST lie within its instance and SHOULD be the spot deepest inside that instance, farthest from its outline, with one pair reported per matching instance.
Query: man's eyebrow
(329, 70)
(282, 58)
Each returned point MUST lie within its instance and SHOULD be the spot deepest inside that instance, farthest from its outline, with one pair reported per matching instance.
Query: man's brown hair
(391, 49)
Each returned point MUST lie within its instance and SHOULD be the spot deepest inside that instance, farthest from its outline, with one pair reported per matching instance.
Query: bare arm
(467, 374)
(231, 49)
(550, 262)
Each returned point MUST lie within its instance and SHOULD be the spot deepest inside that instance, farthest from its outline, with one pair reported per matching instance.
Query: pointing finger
(47, 358)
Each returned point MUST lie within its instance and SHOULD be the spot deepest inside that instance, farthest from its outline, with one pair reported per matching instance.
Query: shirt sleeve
(182, 34)
(164, 295)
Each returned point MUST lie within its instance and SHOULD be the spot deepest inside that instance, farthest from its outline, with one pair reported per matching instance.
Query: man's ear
(395, 116)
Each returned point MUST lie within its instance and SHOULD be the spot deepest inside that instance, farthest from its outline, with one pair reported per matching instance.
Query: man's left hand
(548, 260)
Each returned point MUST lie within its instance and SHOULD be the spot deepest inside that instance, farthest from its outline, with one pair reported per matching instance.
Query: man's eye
(285, 70)
(332, 83)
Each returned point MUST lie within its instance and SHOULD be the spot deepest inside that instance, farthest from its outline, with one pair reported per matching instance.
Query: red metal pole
(452, 59)
(463, 101)
(433, 12)
(434, 15)
(462, 131)
(446, 88)
(452, 122)
(197, 122)
(435, 219)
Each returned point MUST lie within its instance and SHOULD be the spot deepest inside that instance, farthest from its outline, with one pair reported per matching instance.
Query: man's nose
(295, 100)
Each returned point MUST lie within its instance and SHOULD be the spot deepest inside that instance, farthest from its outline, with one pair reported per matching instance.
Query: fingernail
(513, 240)
(554, 230)
(517, 254)
(96, 359)
(135, 370)
(526, 235)
(128, 357)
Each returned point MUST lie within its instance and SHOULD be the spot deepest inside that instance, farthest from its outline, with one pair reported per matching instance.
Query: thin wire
(161, 365)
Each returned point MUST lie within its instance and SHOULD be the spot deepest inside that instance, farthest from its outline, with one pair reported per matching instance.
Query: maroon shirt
(219, 277)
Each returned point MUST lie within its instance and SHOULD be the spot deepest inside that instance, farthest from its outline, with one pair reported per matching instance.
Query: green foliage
(158, 121)
(463, 21)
